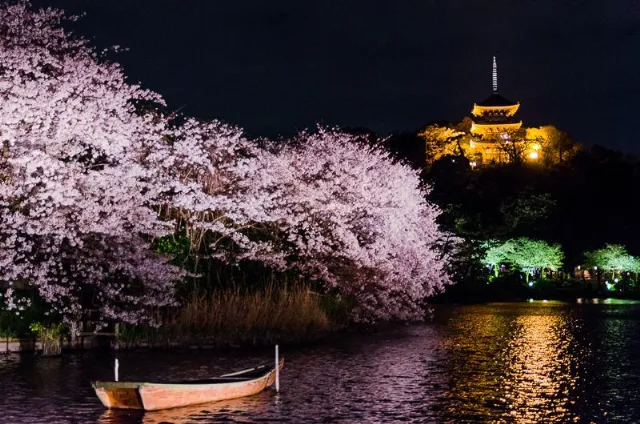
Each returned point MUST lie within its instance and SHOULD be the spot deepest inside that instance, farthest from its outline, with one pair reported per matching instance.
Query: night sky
(275, 67)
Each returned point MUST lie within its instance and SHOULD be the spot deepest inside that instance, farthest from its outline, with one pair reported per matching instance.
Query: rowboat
(156, 396)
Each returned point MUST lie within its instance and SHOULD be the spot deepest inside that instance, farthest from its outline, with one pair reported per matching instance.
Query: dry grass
(240, 317)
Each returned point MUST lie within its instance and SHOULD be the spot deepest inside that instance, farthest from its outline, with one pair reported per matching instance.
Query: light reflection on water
(521, 363)
(537, 381)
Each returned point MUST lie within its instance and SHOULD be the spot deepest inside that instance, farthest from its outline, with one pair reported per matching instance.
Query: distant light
(609, 285)
(545, 301)
(533, 155)
(615, 280)
(595, 267)
(530, 300)
(578, 266)
(579, 300)
(530, 283)
(473, 164)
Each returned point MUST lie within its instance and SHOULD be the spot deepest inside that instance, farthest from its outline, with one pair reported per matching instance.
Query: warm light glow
(473, 164)
(533, 155)
(536, 147)
(507, 110)
(535, 358)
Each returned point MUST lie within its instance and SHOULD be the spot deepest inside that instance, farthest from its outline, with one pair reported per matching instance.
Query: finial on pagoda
(495, 75)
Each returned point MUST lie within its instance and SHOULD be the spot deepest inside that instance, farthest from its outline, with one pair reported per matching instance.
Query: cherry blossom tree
(76, 191)
(358, 220)
(91, 171)
(217, 180)
(340, 212)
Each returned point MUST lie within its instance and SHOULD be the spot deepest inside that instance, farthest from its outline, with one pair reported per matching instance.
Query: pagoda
(492, 121)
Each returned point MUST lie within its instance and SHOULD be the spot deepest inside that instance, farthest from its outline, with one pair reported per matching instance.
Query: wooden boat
(156, 396)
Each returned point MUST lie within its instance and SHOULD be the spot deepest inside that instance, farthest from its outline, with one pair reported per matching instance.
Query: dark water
(531, 362)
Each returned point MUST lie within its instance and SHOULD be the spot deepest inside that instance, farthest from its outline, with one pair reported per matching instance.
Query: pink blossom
(75, 194)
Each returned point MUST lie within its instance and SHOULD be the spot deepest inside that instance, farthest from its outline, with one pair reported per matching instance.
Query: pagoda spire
(495, 75)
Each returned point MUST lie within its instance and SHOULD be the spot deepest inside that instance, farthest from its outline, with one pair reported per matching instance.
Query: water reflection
(236, 410)
(519, 365)
(538, 362)
(529, 362)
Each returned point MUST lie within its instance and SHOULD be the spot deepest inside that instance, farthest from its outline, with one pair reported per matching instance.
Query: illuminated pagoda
(492, 121)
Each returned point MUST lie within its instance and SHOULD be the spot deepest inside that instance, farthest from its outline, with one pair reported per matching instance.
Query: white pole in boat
(115, 369)
(277, 371)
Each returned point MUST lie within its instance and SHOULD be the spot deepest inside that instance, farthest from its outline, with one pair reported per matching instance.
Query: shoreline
(90, 341)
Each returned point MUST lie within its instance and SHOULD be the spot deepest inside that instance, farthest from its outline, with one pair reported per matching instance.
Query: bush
(50, 336)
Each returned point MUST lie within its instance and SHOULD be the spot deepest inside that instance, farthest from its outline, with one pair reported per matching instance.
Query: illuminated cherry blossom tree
(91, 171)
(75, 191)
(337, 211)
(357, 220)
(218, 180)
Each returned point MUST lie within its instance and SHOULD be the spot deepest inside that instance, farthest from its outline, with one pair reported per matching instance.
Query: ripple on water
(522, 363)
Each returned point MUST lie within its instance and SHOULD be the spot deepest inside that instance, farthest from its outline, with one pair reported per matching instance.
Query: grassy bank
(236, 317)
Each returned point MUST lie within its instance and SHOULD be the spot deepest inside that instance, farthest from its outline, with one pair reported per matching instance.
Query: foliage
(177, 245)
(525, 254)
(612, 258)
(441, 141)
(50, 336)
(526, 210)
(557, 146)
(18, 310)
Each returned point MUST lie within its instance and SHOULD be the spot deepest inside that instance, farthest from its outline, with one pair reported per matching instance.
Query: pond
(512, 362)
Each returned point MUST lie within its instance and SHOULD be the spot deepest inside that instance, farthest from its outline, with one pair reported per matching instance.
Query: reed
(239, 316)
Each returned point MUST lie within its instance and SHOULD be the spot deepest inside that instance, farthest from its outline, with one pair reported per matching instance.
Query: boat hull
(153, 396)
(119, 395)
(165, 396)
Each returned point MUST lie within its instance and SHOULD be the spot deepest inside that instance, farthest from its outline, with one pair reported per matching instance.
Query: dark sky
(274, 67)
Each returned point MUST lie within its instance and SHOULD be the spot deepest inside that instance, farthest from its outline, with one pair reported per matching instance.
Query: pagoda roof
(496, 100)
(494, 120)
